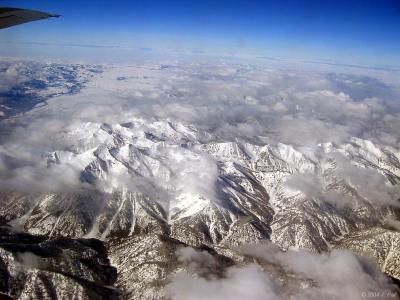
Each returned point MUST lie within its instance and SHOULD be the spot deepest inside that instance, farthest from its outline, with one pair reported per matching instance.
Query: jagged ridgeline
(140, 195)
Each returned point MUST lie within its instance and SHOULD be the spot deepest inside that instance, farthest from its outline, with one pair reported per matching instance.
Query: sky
(363, 32)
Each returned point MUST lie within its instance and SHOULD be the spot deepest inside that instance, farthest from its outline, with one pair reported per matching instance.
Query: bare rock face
(380, 244)
(34, 267)
(148, 262)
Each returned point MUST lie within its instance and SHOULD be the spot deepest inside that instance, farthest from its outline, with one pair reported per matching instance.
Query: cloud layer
(336, 275)
(229, 102)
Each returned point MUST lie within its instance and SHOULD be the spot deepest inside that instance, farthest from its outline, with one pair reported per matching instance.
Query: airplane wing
(15, 16)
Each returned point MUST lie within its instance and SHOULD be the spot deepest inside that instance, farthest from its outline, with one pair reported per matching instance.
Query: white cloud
(235, 102)
(239, 283)
(11, 76)
(336, 275)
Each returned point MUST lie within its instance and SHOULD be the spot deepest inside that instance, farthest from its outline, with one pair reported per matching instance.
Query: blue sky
(366, 31)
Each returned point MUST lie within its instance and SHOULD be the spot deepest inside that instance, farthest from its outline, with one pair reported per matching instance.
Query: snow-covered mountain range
(142, 179)
(151, 199)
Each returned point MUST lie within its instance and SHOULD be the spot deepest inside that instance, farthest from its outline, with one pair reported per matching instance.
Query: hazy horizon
(348, 32)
